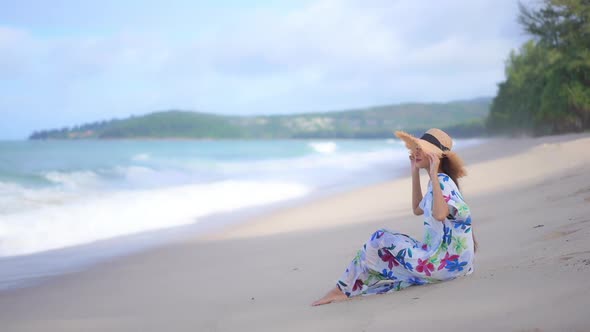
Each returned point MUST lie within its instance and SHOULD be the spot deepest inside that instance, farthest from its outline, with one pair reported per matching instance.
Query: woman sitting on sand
(391, 261)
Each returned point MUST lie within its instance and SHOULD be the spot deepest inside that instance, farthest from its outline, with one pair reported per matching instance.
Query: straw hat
(434, 140)
(439, 142)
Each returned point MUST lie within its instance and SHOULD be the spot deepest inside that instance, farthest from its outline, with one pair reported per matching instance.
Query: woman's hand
(413, 167)
(434, 164)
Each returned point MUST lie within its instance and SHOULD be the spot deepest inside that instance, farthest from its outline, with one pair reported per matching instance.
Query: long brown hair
(452, 165)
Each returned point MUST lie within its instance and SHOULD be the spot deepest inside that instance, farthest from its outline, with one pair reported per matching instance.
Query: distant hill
(461, 118)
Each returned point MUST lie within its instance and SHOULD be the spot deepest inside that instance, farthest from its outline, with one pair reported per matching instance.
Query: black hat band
(434, 141)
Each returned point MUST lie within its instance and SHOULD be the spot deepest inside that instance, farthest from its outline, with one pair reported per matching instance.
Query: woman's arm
(416, 188)
(440, 209)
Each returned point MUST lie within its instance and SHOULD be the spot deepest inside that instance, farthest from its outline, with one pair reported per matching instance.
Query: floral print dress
(391, 261)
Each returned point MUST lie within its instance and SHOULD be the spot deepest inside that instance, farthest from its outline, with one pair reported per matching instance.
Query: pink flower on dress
(424, 266)
(447, 198)
(446, 259)
(386, 256)
(358, 284)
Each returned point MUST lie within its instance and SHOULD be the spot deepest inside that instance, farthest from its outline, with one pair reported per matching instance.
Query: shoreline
(265, 272)
(22, 270)
(126, 245)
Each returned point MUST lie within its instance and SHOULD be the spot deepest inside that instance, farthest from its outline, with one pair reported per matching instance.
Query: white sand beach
(530, 203)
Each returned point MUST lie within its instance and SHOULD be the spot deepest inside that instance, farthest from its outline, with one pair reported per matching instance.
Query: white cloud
(327, 55)
(17, 51)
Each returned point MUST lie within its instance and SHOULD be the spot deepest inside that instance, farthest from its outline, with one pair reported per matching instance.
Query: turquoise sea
(67, 204)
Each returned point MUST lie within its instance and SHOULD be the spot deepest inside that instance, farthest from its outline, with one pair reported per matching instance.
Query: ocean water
(64, 204)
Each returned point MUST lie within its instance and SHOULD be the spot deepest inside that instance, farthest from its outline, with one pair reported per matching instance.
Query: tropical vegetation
(547, 86)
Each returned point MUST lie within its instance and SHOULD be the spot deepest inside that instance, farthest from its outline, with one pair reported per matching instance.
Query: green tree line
(460, 118)
(547, 86)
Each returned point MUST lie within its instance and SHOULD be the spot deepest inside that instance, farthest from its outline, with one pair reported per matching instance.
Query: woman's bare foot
(334, 295)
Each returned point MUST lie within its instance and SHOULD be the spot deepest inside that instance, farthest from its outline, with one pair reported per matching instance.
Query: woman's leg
(334, 295)
(355, 278)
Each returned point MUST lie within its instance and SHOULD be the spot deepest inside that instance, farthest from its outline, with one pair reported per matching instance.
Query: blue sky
(69, 62)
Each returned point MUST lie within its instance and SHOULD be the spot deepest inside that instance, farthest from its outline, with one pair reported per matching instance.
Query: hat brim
(412, 143)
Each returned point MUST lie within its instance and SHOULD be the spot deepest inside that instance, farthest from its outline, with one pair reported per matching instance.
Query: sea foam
(109, 215)
(324, 147)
